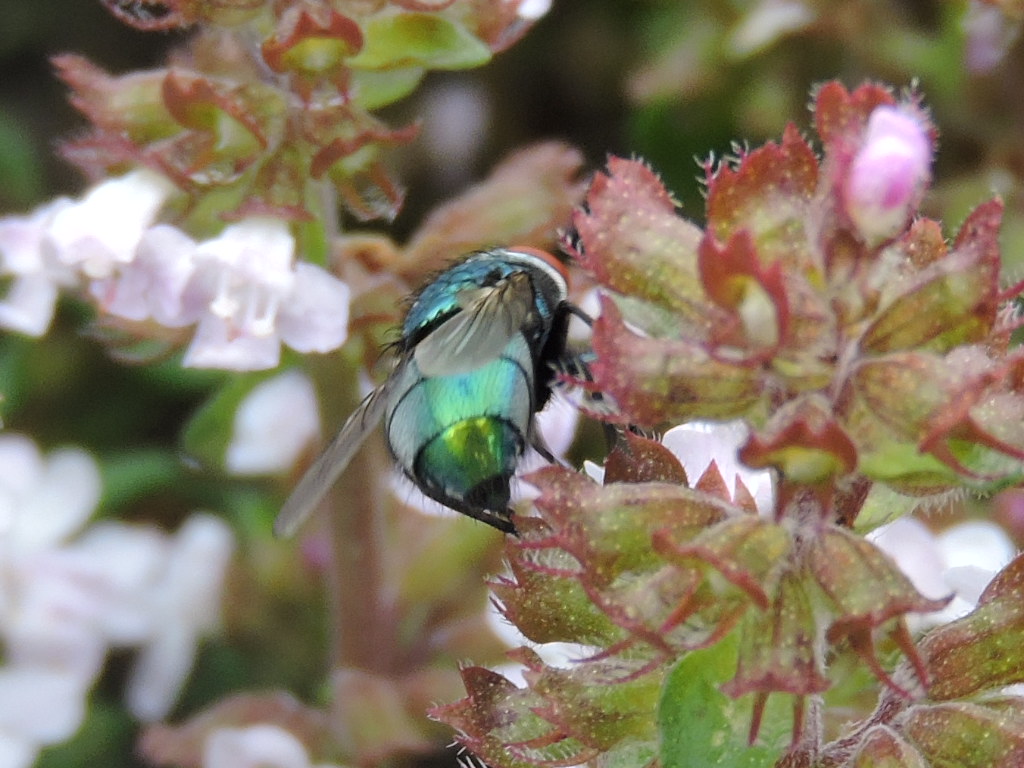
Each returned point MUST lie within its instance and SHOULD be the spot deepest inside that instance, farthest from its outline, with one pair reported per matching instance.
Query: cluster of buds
(272, 102)
(870, 363)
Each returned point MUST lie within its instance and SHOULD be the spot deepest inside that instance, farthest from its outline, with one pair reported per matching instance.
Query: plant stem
(362, 632)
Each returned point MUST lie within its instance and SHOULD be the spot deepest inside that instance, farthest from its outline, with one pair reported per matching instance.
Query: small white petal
(67, 493)
(531, 10)
(51, 629)
(274, 424)
(159, 673)
(21, 238)
(557, 425)
(21, 464)
(766, 23)
(185, 603)
(32, 297)
(120, 563)
(40, 705)
(315, 316)
(593, 471)
(968, 581)
(104, 228)
(153, 284)
(215, 346)
(913, 546)
(558, 655)
(255, 746)
(29, 305)
(17, 751)
(976, 543)
(198, 564)
(266, 243)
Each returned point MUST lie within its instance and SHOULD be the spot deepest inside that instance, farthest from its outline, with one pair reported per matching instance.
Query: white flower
(51, 247)
(103, 229)
(183, 604)
(68, 595)
(52, 653)
(274, 424)
(262, 745)
(250, 296)
(960, 561)
(152, 284)
(43, 501)
(30, 301)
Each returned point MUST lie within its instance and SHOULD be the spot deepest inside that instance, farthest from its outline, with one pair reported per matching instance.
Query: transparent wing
(331, 463)
(476, 335)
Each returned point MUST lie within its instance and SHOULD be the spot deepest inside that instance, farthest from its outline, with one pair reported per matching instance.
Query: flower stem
(362, 634)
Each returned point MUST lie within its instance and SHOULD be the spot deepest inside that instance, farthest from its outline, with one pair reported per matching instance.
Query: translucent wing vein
(319, 478)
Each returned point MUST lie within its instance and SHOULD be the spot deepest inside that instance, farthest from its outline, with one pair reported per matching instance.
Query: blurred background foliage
(665, 80)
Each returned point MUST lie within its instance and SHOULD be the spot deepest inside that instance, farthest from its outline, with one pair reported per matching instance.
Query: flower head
(69, 592)
(250, 296)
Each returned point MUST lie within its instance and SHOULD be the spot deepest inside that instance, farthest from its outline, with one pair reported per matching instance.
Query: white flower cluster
(243, 290)
(69, 593)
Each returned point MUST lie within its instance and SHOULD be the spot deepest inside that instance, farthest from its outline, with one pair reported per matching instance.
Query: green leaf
(902, 464)
(131, 475)
(20, 166)
(701, 726)
(105, 738)
(402, 40)
(374, 89)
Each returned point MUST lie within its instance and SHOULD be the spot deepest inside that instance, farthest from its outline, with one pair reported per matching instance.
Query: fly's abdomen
(460, 437)
(472, 461)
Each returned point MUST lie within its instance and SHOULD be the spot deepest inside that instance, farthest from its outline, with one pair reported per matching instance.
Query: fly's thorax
(460, 437)
(440, 297)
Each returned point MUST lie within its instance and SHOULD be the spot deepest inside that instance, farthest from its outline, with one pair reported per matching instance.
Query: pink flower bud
(888, 175)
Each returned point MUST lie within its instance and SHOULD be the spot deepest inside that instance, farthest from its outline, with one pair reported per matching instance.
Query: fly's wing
(331, 463)
(475, 336)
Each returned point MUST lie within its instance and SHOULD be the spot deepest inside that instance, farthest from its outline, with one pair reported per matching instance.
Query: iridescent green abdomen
(473, 460)
(458, 437)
